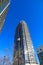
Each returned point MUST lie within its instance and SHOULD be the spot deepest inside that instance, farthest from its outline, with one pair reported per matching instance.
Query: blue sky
(29, 10)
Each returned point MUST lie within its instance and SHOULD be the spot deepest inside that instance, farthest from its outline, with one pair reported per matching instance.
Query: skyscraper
(40, 54)
(23, 51)
(4, 4)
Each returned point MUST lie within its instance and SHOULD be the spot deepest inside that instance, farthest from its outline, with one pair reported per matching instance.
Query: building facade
(4, 4)
(23, 50)
(40, 54)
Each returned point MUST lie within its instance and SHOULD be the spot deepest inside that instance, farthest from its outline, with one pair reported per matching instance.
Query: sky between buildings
(29, 10)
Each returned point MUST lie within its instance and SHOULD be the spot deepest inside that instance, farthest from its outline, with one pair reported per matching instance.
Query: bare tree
(6, 60)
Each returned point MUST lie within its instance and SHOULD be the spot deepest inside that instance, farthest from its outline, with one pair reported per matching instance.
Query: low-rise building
(40, 54)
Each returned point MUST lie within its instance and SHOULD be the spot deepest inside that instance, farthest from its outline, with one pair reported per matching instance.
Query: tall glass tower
(4, 4)
(23, 48)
